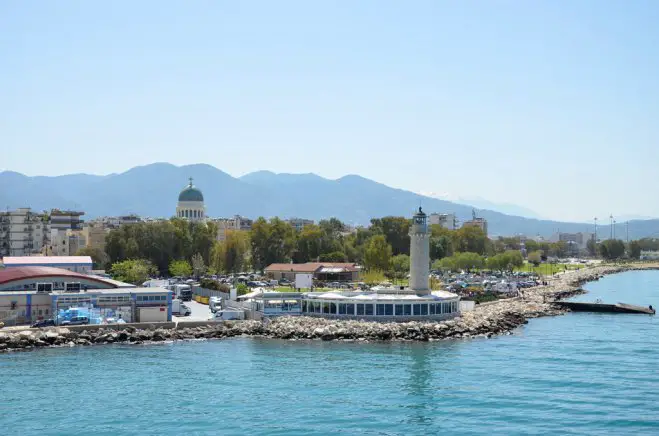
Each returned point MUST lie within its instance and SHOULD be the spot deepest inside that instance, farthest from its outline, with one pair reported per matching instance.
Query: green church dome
(190, 193)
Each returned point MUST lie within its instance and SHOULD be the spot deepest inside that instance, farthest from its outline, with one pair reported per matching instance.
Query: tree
(377, 254)
(335, 256)
(535, 257)
(470, 239)
(400, 264)
(180, 268)
(232, 254)
(396, 232)
(198, 265)
(461, 261)
(309, 244)
(612, 249)
(634, 250)
(591, 246)
(271, 242)
(98, 256)
(135, 271)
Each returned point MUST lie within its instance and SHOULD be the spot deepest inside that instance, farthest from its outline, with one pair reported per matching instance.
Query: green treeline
(178, 247)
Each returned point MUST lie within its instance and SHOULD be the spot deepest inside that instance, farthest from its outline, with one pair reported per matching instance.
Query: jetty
(605, 308)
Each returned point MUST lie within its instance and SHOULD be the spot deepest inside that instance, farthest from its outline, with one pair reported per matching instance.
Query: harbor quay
(486, 320)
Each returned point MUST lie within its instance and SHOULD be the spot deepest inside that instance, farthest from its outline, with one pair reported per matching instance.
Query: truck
(181, 291)
(178, 308)
(215, 304)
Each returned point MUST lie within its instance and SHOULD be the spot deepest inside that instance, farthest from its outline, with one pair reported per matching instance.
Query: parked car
(76, 320)
(43, 323)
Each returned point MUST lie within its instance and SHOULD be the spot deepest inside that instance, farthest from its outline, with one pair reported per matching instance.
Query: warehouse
(99, 306)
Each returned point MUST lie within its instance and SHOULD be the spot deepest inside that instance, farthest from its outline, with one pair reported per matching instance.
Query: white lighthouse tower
(419, 254)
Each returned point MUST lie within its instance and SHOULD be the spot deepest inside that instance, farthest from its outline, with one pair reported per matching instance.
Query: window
(389, 309)
(424, 309)
(407, 309)
(346, 309)
(332, 307)
(399, 310)
(326, 307)
(417, 309)
(304, 306)
(380, 309)
(360, 309)
(368, 309)
(46, 311)
(431, 308)
(40, 312)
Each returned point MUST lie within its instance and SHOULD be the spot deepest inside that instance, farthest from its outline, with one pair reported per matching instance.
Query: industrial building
(29, 294)
(79, 264)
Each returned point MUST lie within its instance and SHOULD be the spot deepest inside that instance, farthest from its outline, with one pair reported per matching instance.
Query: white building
(191, 204)
(65, 220)
(446, 220)
(577, 240)
(237, 223)
(22, 232)
(79, 264)
(65, 242)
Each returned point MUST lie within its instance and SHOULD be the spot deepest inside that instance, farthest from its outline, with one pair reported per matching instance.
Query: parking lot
(200, 312)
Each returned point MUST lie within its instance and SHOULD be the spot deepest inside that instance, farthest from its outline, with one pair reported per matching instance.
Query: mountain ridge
(152, 190)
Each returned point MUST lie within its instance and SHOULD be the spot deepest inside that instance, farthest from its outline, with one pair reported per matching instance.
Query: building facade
(481, 223)
(22, 232)
(447, 220)
(299, 223)
(237, 223)
(191, 204)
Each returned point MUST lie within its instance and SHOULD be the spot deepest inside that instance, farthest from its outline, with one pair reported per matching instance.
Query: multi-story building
(22, 232)
(481, 223)
(65, 242)
(446, 220)
(94, 235)
(65, 220)
(299, 223)
(225, 225)
(114, 222)
(577, 240)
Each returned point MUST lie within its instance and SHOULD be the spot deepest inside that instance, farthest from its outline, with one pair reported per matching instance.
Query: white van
(227, 314)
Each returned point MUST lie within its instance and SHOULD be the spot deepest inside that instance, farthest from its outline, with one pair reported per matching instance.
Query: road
(200, 312)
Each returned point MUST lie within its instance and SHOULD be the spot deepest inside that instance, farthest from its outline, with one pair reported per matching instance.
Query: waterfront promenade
(486, 320)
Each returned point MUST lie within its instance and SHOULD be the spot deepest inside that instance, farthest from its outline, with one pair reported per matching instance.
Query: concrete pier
(604, 308)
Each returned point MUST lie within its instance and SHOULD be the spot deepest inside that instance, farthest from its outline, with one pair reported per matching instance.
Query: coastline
(486, 320)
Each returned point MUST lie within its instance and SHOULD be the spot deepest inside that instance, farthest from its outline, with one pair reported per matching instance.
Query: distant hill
(152, 190)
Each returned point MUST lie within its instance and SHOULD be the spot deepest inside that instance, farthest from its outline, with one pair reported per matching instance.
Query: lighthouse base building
(385, 304)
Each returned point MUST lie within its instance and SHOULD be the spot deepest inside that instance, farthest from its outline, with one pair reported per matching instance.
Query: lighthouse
(419, 254)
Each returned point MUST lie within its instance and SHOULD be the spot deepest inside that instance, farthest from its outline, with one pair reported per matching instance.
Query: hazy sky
(547, 104)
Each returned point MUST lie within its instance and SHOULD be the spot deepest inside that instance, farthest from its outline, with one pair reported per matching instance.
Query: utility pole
(614, 229)
(627, 226)
(611, 226)
(595, 229)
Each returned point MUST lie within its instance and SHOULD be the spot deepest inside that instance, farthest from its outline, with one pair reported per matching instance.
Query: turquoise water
(574, 374)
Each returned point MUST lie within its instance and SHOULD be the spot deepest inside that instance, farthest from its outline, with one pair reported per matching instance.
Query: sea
(582, 374)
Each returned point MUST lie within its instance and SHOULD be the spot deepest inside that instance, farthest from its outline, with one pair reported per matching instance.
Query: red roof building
(325, 271)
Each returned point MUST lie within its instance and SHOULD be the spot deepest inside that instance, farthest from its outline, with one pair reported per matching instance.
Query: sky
(552, 105)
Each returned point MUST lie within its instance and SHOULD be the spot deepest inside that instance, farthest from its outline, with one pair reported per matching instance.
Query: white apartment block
(225, 225)
(22, 232)
(446, 220)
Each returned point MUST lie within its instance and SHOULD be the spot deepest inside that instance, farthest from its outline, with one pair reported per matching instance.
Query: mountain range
(152, 190)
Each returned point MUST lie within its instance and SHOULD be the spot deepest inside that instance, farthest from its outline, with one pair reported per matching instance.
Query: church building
(191, 204)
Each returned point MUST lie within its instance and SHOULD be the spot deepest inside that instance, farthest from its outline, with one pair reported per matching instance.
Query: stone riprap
(486, 320)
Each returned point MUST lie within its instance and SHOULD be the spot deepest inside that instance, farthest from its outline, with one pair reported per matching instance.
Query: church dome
(190, 193)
